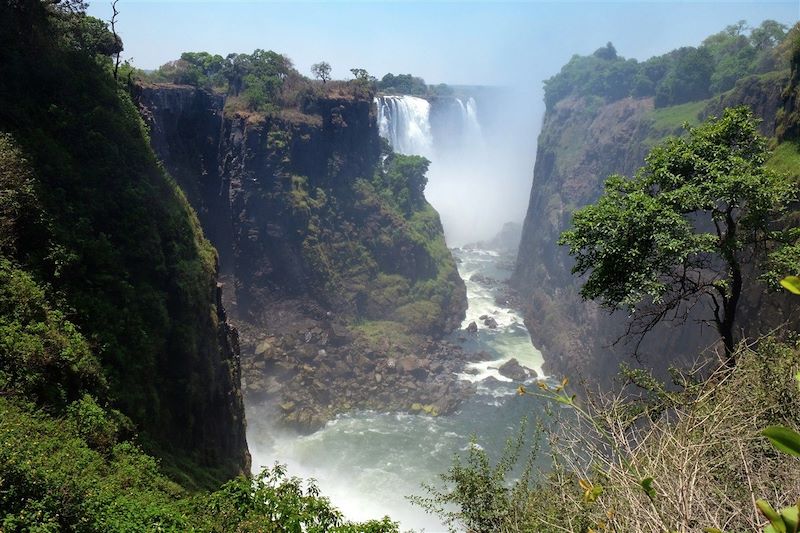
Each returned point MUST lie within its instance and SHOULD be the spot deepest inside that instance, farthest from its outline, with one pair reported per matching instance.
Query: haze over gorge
(253, 279)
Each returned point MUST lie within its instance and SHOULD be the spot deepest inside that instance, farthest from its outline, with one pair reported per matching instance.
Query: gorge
(305, 360)
(220, 266)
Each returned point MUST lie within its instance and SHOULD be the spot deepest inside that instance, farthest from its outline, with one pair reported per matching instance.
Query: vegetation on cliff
(700, 212)
(683, 75)
(585, 138)
(110, 239)
(266, 81)
(695, 453)
(119, 377)
(690, 454)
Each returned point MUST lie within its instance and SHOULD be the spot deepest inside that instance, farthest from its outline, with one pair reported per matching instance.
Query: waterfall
(448, 132)
(472, 128)
(404, 121)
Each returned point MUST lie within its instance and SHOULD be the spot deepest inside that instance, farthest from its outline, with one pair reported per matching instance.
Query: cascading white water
(472, 128)
(404, 121)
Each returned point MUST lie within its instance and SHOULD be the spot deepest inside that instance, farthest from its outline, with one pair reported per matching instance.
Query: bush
(679, 458)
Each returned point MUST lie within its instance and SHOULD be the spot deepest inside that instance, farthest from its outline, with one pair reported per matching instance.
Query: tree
(361, 74)
(607, 52)
(322, 71)
(116, 36)
(685, 229)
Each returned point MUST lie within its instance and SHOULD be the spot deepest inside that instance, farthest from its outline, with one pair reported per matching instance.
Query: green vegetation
(90, 217)
(379, 249)
(267, 82)
(670, 120)
(408, 84)
(685, 228)
(785, 159)
(684, 75)
(687, 457)
(54, 479)
(263, 81)
(114, 367)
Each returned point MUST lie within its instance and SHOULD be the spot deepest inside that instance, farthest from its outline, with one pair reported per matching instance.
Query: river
(367, 463)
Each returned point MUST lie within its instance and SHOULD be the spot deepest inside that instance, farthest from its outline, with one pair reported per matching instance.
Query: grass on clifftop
(786, 159)
(669, 120)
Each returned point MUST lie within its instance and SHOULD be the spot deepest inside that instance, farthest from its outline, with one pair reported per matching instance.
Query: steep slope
(112, 246)
(329, 243)
(584, 139)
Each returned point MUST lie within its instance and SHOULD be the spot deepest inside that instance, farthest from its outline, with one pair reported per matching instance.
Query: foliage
(402, 181)
(403, 84)
(54, 480)
(375, 248)
(684, 75)
(684, 228)
(688, 456)
(475, 495)
(321, 71)
(261, 81)
(279, 503)
(43, 356)
(18, 208)
(101, 244)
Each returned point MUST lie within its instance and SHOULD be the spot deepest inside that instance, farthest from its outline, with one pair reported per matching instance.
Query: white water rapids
(368, 462)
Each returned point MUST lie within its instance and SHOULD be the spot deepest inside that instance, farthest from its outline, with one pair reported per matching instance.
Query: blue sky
(456, 42)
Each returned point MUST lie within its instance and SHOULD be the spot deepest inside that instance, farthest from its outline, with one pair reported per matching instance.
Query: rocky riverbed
(311, 367)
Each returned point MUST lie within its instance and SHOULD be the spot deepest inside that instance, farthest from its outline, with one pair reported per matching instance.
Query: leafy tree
(768, 35)
(689, 78)
(684, 230)
(361, 74)
(403, 84)
(683, 75)
(608, 52)
(322, 71)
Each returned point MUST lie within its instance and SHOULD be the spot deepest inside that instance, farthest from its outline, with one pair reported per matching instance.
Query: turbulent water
(405, 122)
(368, 462)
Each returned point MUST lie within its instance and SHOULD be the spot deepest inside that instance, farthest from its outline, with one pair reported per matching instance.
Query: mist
(481, 183)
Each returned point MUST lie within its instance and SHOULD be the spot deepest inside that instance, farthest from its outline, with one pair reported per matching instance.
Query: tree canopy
(322, 71)
(683, 75)
(682, 231)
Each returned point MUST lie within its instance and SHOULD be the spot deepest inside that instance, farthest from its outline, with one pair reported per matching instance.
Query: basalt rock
(309, 249)
(515, 371)
(580, 145)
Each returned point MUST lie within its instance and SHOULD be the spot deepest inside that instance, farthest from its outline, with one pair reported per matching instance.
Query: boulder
(515, 371)
(410, 363)
(490, 322)
(472, 327)
(339, 335)
(263, 346)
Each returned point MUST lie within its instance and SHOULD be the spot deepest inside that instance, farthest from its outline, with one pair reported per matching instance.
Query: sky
(512, 44)
(445, 41)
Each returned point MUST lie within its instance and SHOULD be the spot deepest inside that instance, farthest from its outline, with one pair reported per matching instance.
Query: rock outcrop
(580, 145)
(298, 206)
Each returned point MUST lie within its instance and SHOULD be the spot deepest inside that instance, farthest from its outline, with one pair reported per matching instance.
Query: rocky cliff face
(311, 239)
(582, 142)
